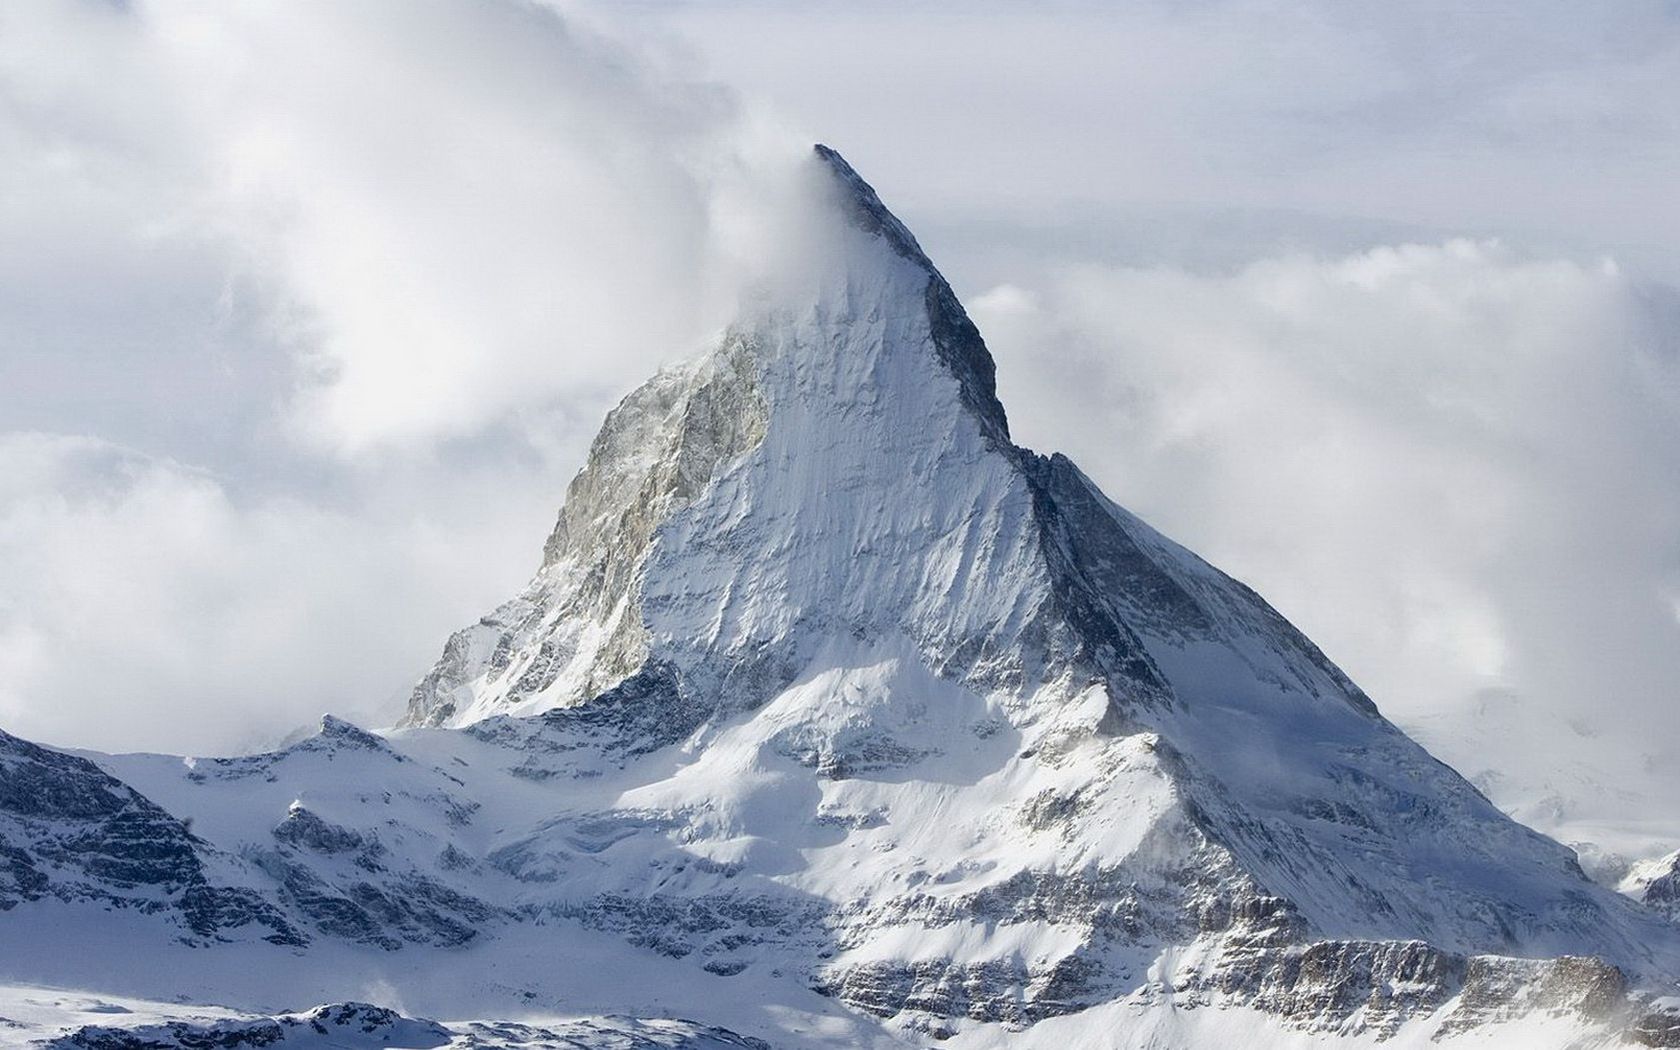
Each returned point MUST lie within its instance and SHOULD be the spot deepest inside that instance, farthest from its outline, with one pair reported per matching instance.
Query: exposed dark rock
(399, 908)
(1657, 1027)
(955, 337)
(306, 830)
(648, 711)
(1661, 891)
(70, 831)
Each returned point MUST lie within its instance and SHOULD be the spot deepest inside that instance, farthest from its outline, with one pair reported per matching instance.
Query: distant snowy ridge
(833, 717)
(62, 1023)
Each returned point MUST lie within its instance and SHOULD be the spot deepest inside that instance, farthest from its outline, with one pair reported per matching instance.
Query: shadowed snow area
(832, 717)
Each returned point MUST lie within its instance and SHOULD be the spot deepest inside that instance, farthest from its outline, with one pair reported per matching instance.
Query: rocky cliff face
(823, 684)
(71, 833)
(1656, 883)
(577, 630)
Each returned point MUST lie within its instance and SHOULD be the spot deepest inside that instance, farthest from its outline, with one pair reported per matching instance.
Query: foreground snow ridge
(834, 718)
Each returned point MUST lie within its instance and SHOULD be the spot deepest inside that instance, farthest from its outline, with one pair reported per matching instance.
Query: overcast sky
(307, 312)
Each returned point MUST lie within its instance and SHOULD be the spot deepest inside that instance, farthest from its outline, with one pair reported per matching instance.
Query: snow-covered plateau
(831, 718)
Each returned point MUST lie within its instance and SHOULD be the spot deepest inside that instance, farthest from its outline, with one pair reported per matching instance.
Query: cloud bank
(1454, 466)
(445, 213)
(147, 607)
(1512, 117)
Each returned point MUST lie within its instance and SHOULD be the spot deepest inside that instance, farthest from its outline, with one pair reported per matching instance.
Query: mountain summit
(817, 547)
(827, 690)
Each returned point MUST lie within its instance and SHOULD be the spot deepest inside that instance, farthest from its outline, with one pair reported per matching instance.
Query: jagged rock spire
(955, 336)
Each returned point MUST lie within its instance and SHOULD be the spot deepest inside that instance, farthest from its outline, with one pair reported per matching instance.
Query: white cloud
(146, 607)
(1452, 465)
(1536, 117)
(446, 213)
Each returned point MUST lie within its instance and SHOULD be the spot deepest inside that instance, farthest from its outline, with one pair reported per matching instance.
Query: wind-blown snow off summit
(831, 718)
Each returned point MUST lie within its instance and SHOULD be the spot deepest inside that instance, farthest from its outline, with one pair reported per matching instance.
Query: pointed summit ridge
(955, 337)
(812, 569)
(863, 208)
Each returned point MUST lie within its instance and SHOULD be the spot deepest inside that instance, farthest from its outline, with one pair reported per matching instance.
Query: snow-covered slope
(833, 716)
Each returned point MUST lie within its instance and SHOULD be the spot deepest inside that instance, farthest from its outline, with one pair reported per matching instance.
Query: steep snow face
(839, 467)
(814, 477)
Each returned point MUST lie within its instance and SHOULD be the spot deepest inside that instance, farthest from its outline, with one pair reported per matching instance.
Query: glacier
(832, 717)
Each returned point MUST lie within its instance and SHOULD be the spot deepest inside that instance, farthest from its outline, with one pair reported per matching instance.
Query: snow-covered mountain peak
(869, 378)
(955, 338)
(826, 688)
(815, 544)
(861, 206)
